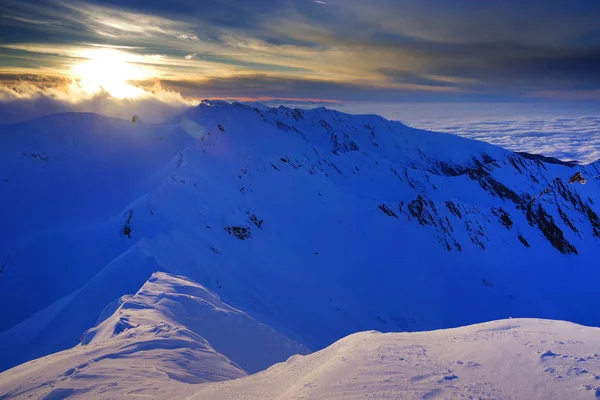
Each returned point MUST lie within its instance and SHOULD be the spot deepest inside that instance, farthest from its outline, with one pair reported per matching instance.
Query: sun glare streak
(109, 70)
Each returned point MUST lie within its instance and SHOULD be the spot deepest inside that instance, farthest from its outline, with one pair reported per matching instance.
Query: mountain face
(317, 223)
(172, 334)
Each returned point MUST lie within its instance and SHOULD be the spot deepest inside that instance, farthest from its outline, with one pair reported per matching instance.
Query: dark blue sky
(347, 50)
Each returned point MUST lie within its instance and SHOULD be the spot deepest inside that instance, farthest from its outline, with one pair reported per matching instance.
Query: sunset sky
(334, 50)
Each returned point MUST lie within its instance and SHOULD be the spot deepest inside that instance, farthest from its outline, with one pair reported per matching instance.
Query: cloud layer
(557, 130)
(23, 101)
(563, 138)
(346, 49)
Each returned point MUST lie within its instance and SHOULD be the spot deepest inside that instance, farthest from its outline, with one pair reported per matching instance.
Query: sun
(109, 70)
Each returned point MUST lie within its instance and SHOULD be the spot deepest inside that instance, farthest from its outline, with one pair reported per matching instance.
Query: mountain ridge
(161, 341)
(316, 223)
(164, 325)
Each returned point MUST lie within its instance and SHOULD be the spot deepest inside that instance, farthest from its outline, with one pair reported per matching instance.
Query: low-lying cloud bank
(23, 101)
(574, 138)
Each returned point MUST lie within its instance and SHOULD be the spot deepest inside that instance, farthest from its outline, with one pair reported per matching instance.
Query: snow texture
(316, 223)
(154, 344)
(507, 359)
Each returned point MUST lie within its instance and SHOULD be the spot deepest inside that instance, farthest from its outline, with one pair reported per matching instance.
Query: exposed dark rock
(524, 241)
(325, 124)
(396, 173)
(476, 233)
(388, 211)
(475, 167)
(413, 183)
(536, 215)
(514, 163)
(499, 189)
(533, 178)
(458, 246)
(297, 114)
(549, 160)
(451, 170)
(39, 156)
(3, 266)
(422, 210)
(255, 220)
(567, 193)
(566, 220)
(285, 127)
(453, 209)
(503, 217)
(343, 145)
(594, 220)
(241, 232)
(127, 228)
(577, 178)
(332, 165)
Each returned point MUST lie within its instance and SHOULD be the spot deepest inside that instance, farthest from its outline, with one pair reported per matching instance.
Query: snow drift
(507, 359)
(174, 339)
(173, 333)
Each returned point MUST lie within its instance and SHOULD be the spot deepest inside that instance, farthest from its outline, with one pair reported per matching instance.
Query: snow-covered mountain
(171, 335)
(317, 223)
(174, 338)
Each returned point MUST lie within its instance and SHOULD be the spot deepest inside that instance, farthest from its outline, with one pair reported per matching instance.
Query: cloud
(503, 49)
(24, 100)
(345, 52)
(561, 130)
(274, 86)
(184, 36)
(575, 138)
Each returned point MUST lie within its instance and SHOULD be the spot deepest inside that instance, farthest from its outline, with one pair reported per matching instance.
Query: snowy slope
(63, 178)
(507, 359)
(317, 223)
(173, 333)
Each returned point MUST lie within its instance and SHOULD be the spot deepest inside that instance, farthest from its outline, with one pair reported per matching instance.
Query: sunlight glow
(109, 70)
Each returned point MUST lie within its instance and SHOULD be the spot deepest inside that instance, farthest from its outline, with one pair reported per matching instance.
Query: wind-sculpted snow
(180, 304)
(173, 333)
(317, 223)
(508, 359)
